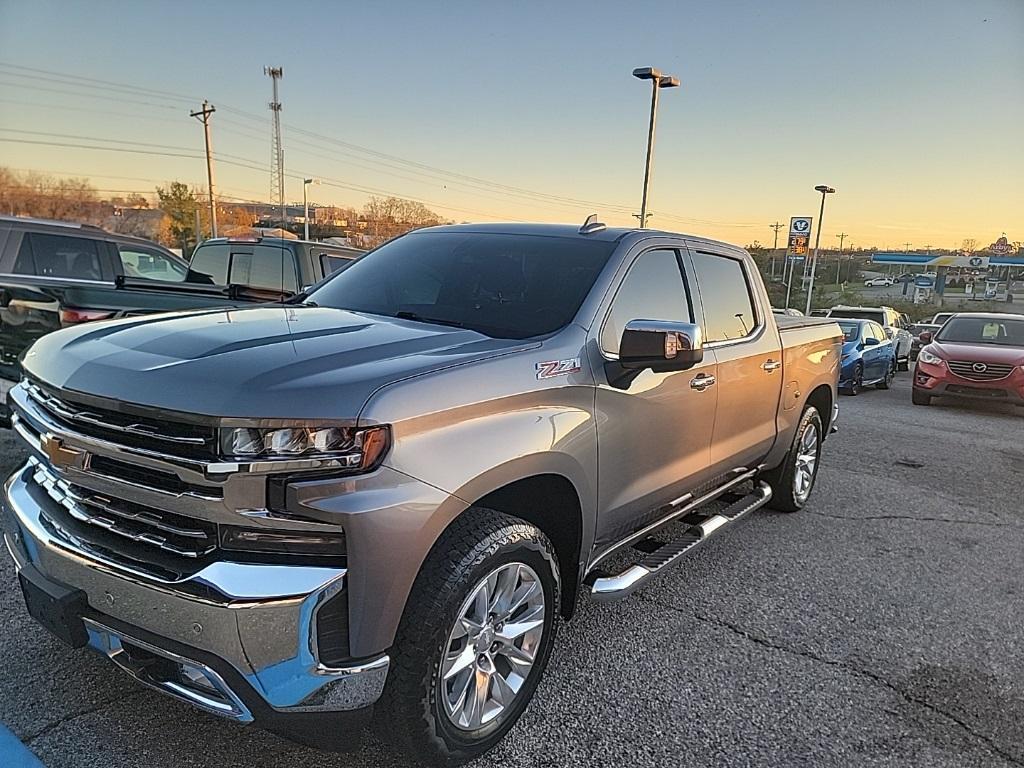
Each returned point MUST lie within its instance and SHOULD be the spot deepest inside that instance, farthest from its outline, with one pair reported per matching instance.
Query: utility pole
(775, 247)
(203, 116)
(906, 247)
(643, 223)
(839, 259)
(276, 149)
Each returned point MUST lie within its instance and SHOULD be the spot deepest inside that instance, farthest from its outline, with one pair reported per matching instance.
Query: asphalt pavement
(881, 626)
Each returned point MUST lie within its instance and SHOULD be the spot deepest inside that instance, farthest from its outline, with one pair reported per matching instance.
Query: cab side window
(726, 296)
(653, 289)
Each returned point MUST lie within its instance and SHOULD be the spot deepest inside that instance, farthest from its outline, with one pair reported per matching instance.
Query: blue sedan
(869, 356)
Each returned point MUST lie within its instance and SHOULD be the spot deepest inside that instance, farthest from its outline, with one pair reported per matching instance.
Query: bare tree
(969, 245)
(388, 217)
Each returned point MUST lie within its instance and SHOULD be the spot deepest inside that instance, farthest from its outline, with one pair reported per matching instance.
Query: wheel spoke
(456, 662)
(528, 621)
(502, 691)
(515, 654)
(523, 595)
(478, 699)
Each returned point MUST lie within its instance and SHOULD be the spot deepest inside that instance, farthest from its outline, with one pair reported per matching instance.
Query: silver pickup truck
(382, 497)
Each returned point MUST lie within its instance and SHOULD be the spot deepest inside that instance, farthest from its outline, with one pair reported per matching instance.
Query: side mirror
(660, 345)
(889, 332)
(925, 337)
(871, 341)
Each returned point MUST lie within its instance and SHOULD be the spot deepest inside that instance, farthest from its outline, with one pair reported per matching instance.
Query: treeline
(169, 216)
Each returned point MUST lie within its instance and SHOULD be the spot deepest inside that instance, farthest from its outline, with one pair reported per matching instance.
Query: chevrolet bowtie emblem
(60, 455)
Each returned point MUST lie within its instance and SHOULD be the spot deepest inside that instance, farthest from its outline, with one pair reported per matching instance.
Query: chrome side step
(608, 588)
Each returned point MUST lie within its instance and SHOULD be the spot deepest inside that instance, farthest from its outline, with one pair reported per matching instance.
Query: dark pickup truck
(58, 274)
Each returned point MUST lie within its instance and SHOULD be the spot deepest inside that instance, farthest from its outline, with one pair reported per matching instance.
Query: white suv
(896, 328)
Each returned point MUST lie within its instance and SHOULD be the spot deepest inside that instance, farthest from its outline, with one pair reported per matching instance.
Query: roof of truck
(611, 234)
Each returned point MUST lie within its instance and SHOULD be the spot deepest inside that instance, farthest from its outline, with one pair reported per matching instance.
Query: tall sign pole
(796, 250)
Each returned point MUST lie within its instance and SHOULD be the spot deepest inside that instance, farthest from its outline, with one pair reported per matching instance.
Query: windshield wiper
(404, 315)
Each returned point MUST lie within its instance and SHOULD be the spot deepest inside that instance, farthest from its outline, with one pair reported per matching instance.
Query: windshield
(507, 286)
(851, 331)
(983, 330)
(860, 314)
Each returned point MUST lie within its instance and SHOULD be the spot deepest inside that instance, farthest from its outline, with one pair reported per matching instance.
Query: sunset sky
(913, 110)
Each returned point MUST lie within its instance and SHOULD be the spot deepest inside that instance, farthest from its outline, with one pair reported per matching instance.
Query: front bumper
(939, 381)
(241, 634)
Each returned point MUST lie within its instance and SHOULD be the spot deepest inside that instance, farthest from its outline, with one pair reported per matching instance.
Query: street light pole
(658, 81)
(825, 190)
(305, 205)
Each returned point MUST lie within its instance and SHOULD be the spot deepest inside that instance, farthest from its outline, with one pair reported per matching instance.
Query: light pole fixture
(305, 204)
(658, 81)
(825, 190)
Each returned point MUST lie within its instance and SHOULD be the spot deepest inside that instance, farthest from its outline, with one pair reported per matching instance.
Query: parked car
(875, 282)
(941, 317)
(55, 274)
(892, 323)
(869, 356)
(978, 356)
(916, 330)
(386, 494)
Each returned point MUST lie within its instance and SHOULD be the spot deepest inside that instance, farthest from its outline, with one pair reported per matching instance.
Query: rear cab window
(270, 267)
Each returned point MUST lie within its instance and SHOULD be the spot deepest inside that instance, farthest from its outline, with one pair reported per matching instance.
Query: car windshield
(851, 331)
(501, 285)
(859, 314)
(983, 330)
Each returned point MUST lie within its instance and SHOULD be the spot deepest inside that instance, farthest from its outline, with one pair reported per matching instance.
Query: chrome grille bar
(965, 369)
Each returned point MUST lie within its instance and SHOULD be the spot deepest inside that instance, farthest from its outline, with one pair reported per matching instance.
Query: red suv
(974, 355)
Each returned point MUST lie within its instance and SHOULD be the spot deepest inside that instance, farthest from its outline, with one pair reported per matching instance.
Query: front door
(654, 433)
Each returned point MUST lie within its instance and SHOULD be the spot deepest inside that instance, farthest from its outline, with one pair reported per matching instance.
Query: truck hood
(979, 353)
(292, 362)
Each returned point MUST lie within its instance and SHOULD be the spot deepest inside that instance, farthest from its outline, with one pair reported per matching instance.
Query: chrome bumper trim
(220, 700)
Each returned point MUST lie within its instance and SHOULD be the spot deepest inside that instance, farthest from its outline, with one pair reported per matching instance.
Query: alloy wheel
(806, 463)
(493, 646)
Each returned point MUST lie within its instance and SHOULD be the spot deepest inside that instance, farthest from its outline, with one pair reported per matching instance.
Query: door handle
(771, 365)
(702, 382)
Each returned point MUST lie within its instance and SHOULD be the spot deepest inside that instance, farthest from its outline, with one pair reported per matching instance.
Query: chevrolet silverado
(380, 501)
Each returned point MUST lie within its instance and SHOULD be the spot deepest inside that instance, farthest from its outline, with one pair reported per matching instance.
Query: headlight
(926, 356)
(355, 448)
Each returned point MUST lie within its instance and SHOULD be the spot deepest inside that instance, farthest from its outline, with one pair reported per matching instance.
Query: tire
(784, 479)
(857, 383)
(416, 706)
(904, 365)
(920, 398)
(887, 380)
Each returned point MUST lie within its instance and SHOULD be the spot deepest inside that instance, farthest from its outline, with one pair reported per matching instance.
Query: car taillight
(73, 316)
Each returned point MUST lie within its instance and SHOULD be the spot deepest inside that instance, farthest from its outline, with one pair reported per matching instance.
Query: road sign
(800, 225)
(799, 235)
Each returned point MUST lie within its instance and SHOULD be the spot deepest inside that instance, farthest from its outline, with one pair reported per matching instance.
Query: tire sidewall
(517, 542)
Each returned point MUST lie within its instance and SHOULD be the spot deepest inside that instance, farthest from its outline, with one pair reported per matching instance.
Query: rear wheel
(474, 639)
(890, 374)
(793, 481)
(920, 398)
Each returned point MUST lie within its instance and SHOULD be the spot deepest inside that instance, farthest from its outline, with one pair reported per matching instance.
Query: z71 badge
(551, 368)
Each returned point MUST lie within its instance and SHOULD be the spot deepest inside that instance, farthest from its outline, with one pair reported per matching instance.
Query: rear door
(654, 433)
(748, 351)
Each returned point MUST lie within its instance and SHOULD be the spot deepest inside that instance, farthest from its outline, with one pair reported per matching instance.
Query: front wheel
(793, 481)
(474, 640)
(857, 382)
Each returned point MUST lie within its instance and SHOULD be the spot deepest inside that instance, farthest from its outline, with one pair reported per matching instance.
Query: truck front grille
(140, 526)
(179, 438)
(979, 371)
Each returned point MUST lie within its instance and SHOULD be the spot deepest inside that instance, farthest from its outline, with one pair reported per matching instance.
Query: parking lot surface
(881, 626)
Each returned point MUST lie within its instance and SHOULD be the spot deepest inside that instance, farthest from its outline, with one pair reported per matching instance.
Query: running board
(607, 588)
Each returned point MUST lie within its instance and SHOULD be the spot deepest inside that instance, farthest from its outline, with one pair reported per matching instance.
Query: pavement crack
(874, 677)
(98, 707)
(915, 518)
